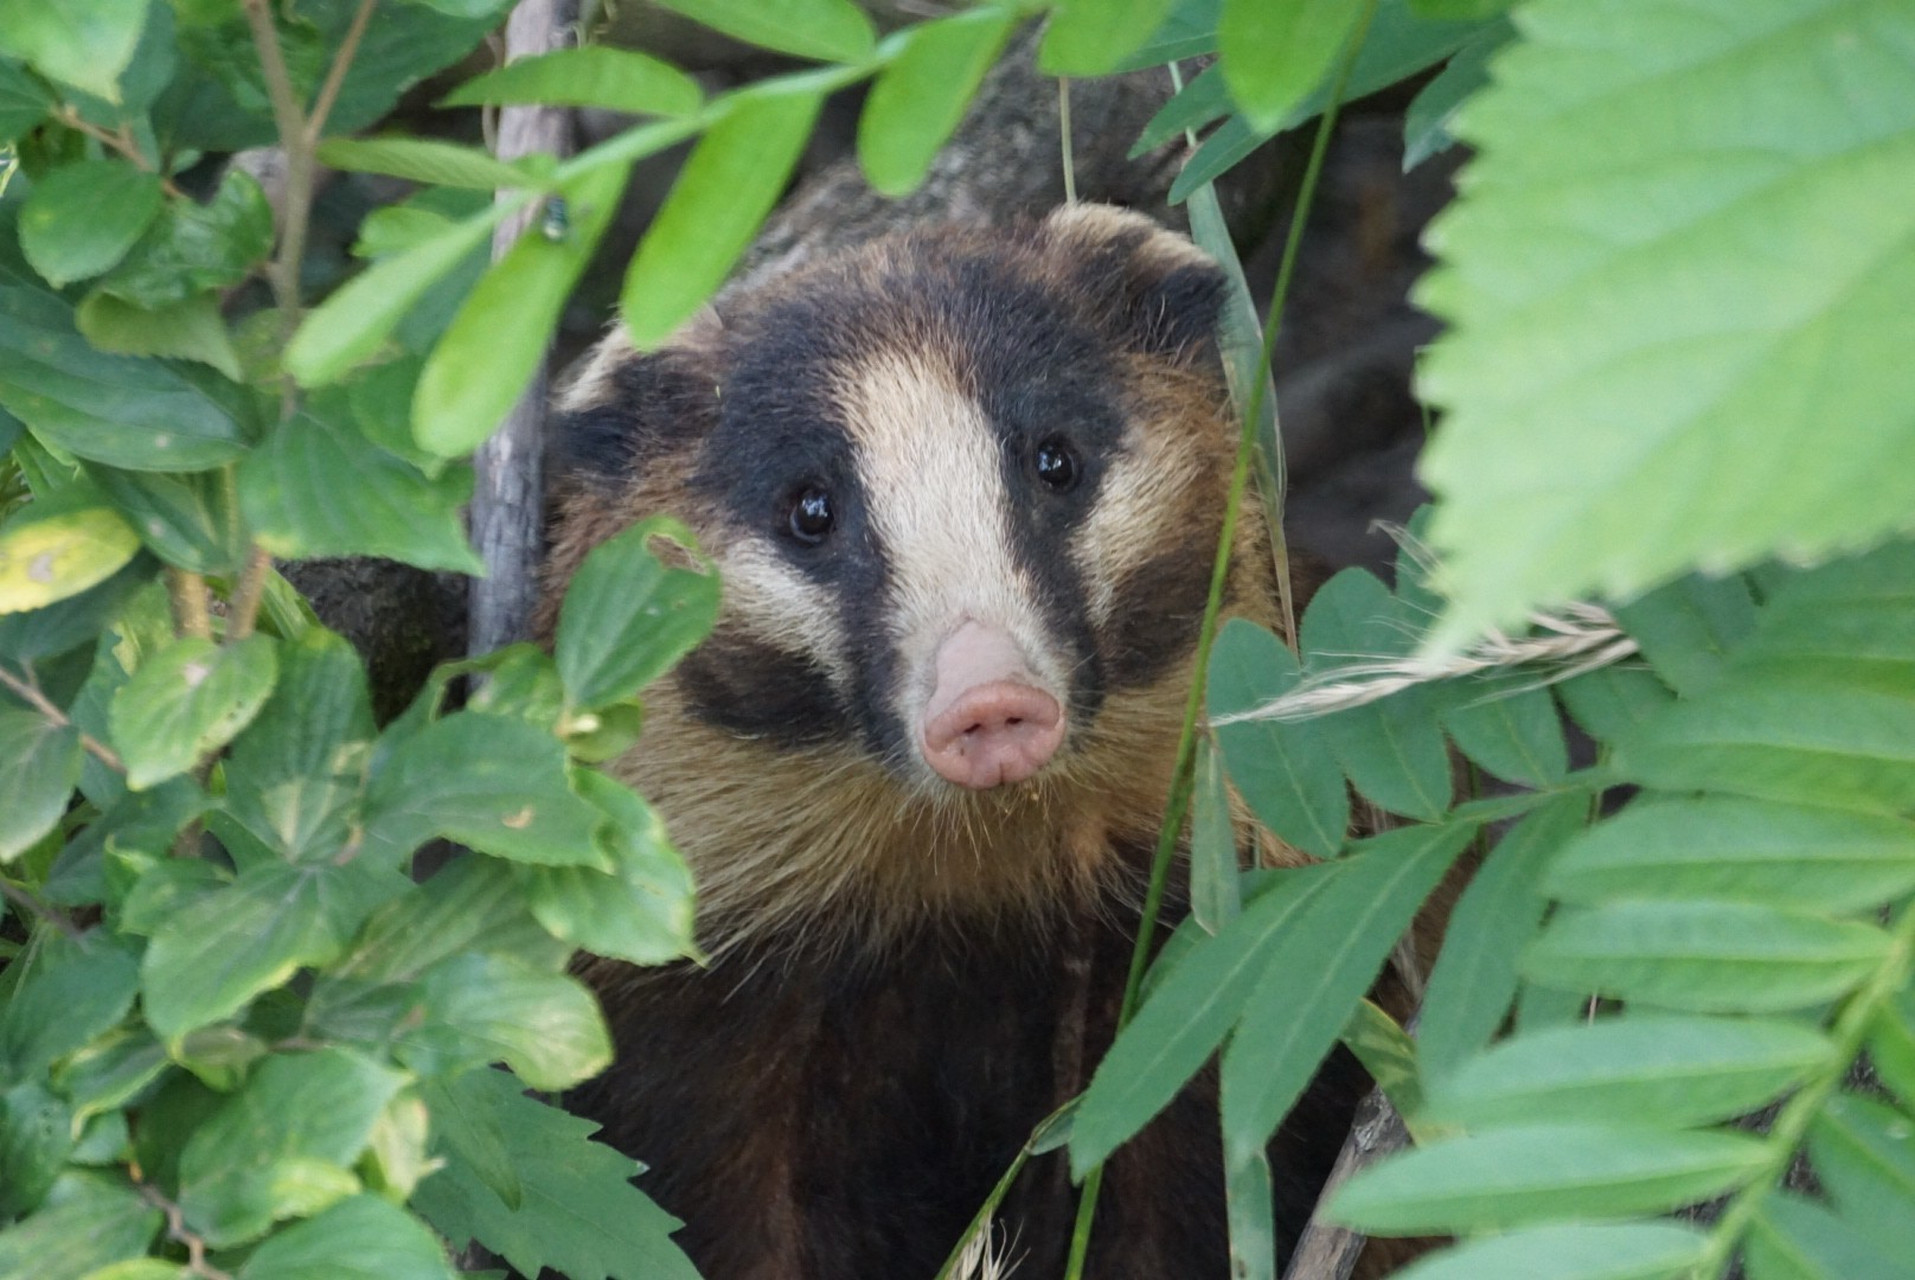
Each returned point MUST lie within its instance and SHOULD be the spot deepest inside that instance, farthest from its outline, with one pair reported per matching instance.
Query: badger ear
(626, 408)
(1151, 289)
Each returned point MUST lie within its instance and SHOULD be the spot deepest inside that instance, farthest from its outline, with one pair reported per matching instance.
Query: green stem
(1180, 787)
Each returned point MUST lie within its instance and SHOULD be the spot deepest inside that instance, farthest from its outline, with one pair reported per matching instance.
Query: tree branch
(29, 693)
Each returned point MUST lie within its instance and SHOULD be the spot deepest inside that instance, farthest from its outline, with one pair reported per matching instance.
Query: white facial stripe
(932, 472)
(1125, 529)
(785, 609)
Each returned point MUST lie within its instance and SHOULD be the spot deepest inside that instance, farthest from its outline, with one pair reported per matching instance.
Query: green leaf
(194, 248)
(41, 762)
(487, 357)
(362, 1238)
(1390, 1056)
(293, 776)
(108, 1073)
(1543, 1173)
(1203, 100)
(1341, 941)
(1611, 701)
(496, 784)
(482, 1008)
(1509, 726)
(187, 700)
(1250, 1210)
(209, 960)
(1892, 1045)
(1797, 1239)
(319, 487)
(55, 548)
(441, 164)
(921, 95)
(88, 1222)
(1187, 1014)
(1284, 770)
(1574, 1251)
(81, 219)
(1188, 31)
(1864, 1155)
(347, 328)
(189, 330)
(190, 520)
(471, 904)
(1707, 956)
(578, 1212)
(1741, 850)
(130, 412)
(642, 911)
(85, 43)
(729, 183)
(1853, 749)
(1090, 37)
(60, 627)
(247, 1164)
(36, 1142)
(1273, 52)
(1215, 897)
(1475, 979)
(1720, 383)
(627, 617)
(828, 30)
(1687, 628)
(69, 991)
(594, 75)
(1426, 122)
(1659, 1069)
(23, 103)
(1392, 748)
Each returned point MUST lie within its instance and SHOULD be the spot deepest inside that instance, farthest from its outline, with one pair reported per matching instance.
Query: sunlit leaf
(593, 75)
(187, 700)
(82, 218)
(921, 96)
(829, 30)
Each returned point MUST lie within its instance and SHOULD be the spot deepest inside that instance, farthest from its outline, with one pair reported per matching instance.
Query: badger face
(963, 488)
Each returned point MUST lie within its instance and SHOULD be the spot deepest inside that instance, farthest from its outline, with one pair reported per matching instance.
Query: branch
(1328, 1252)
(120, 142)
(336, 74)
(26, 901)
(176, 1231)
(29, 693)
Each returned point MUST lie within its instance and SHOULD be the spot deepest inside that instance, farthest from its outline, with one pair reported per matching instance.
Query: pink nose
(986, 722)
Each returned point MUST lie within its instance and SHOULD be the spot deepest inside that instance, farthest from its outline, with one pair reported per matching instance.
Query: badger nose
(986, 723)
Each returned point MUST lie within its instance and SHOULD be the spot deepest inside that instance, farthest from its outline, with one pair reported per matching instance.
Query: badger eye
(810, 518)
(1055, 464)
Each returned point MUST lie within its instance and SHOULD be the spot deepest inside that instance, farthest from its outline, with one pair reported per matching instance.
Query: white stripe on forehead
(932, 472)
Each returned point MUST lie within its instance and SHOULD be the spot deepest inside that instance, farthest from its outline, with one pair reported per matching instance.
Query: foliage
(237, 1038)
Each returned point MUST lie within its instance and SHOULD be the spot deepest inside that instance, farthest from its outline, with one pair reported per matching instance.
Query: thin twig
(336, 75)
(121, 142)
(244, 611)
(26, 901)
(1328, 1252)
(191, 613)
(176, 1231)
(29, 693)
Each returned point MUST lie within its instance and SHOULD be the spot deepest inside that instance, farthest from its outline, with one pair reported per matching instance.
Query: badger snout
(987, 722)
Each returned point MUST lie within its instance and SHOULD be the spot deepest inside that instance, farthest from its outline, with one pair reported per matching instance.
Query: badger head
(963, 487)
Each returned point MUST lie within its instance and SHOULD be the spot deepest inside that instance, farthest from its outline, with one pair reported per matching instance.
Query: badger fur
(963, 487)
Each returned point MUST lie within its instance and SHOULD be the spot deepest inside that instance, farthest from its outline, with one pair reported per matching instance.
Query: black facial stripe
(745, 687)
(1156, 613)
(656, 403)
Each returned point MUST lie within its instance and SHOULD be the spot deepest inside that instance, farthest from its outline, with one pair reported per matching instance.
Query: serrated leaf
(469, 904)
(642, 911)
(1475, 977)
(1793, 1238)
(361, 1238)
(828, 30)
(1542, 1173)
(1611, 701)
(578, 1213)
(55, 548)
(1341, 941)
(124, 410)
(82, 218)
(1274, 52)
(208, 961)
(427, 160)
(1741, 850)
(1392, 748)
(1189, 1011)
(189, 699)
(1864, 1156)
(40, 761)
(296, 1109)
(188, 330)
(1573, 1251)
(1426, 122)
(1091, 37)
(317, 487)
(593, 75)
(1719, 383)
(85, 43)
(1285, 771)
(1706, 956)
(1793, 737)
(189, 520)
(486, 358)
(195, 248)
(482, 1008)
(921, 95)
(496, 784)
(89, 1221)
(69, 991)
(627, 616)
(1215, 897)
(1509, 727)
(1657, 1069)
(729, 183)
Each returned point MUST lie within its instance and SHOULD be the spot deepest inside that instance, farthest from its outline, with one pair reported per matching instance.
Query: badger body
(963, 487)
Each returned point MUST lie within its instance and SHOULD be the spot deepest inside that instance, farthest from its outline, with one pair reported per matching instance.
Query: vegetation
(238, 1039)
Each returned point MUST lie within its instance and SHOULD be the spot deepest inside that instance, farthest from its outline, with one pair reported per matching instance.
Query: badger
(963, 487)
